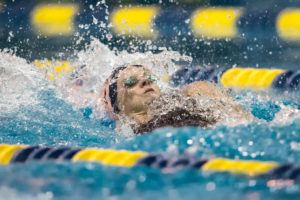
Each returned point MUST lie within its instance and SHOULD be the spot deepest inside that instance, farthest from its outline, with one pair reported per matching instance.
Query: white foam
(285, 116)
(19, 82)
(100, 61)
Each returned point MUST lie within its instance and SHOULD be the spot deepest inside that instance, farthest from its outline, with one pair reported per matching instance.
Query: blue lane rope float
(243, 78)
(286, 171)
(188, 75)
(43, 153)
(289, 80)
(10, 154)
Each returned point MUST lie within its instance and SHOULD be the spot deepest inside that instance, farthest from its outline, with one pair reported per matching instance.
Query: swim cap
(110, 91)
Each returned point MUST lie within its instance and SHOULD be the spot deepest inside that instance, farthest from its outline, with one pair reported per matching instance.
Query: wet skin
(136, 91)
(134, 99)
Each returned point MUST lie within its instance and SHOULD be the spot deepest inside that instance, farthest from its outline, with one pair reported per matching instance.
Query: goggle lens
(133, 80)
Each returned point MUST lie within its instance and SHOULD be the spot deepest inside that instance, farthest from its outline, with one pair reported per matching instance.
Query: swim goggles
(128, 83)
(133, 80)
(110, 90)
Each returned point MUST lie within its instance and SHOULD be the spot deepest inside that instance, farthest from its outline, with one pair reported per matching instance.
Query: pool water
(38, 115)
(53, 122)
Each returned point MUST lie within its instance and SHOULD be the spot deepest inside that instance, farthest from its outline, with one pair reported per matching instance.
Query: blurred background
(252, 33)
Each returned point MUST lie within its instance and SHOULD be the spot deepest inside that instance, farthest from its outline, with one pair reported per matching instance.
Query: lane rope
(10, 154)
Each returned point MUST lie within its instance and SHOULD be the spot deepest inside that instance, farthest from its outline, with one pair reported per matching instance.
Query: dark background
(258, 44)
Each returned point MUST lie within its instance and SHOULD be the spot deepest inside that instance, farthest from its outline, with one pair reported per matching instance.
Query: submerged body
(132, 97)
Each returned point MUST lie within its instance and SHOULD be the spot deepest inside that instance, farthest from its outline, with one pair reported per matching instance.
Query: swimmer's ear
(106, 101)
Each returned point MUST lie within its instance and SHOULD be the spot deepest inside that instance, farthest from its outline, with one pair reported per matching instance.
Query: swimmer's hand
(203, 88)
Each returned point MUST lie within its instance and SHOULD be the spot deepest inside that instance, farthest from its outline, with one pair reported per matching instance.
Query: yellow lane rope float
(54, 69)
(54, 19)
(218, 22)
(249, 77)
(10, 154)
(288, 24)
(221, 22)
(7, 152)
(135, 21)
(250, 168)
(109, 157)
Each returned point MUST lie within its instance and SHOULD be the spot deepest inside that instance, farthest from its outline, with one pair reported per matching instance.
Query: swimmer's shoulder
(203, 88)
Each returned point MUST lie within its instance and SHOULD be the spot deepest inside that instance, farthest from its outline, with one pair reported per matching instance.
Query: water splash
(59, 124)
(19, 82)
(95, 64)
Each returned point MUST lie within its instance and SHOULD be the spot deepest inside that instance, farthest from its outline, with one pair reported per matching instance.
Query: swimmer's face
(136, 90)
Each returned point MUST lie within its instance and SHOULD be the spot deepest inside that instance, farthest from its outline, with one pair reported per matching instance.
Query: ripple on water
(46, 119)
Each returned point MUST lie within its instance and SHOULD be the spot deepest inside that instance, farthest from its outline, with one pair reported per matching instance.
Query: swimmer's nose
(144, 82)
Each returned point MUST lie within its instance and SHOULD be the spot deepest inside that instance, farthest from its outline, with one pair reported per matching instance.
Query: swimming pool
(34, 111)
(50, 121)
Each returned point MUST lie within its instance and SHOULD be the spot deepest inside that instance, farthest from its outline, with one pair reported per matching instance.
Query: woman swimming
(131, 96)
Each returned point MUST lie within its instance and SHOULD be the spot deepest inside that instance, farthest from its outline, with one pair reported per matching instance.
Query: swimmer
(130, 95)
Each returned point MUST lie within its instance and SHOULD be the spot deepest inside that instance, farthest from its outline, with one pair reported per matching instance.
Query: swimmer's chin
(149, 97)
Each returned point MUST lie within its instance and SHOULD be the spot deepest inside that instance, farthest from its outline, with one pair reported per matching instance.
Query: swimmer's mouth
(149, 90)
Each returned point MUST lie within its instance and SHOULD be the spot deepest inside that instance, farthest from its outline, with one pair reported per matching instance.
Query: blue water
(55, 123)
